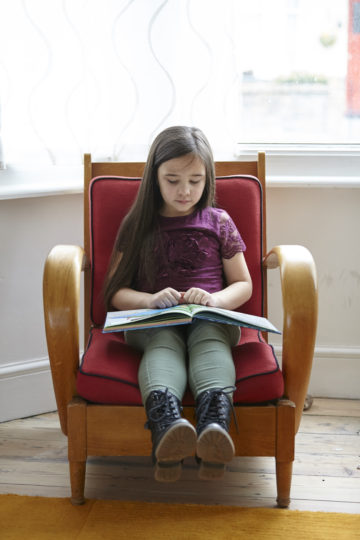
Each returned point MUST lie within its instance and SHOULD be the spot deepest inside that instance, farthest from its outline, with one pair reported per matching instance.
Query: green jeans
(198, 354)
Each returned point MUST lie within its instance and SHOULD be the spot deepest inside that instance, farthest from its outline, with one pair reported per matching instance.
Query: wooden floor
(326, 470)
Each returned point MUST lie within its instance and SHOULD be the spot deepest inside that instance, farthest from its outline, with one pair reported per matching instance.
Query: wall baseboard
(335, 372)
(26, 387)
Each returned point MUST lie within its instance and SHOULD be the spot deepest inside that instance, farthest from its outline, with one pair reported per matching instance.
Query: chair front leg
(283, 483)
(285, 450)
(77, 449)
(77, 481)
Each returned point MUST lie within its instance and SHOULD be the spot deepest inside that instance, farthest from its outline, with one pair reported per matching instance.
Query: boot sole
(211, 471)
(177, 443)
(167, 471)
(215, 448)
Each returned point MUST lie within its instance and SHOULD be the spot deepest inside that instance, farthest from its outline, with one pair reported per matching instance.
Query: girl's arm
(127, 298)
(237, 292)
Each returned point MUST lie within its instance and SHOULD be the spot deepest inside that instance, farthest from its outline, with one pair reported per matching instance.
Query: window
(355, 19)
(105, 77)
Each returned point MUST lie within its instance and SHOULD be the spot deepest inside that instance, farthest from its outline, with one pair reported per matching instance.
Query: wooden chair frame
(262, 430)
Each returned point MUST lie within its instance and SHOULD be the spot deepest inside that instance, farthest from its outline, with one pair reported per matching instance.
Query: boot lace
(212, 410)
(165, 411)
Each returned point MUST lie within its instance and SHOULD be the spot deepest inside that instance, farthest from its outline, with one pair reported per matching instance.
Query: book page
(226, 315)
(116, 318)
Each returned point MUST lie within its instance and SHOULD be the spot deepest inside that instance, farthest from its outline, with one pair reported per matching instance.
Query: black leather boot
(173, 437)
(214, 445)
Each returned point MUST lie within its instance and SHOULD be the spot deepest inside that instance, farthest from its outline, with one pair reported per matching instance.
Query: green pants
(199, 353)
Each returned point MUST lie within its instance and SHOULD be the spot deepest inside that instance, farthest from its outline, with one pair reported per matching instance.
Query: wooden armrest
(61, 295)
(300, 304)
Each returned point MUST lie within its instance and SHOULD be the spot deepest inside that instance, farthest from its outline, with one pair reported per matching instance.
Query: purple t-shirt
(190, 250)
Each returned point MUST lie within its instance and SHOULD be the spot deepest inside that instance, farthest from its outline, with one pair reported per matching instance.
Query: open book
(117, 321)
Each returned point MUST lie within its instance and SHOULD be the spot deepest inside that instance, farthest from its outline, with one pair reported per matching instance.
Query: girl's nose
(184, 189)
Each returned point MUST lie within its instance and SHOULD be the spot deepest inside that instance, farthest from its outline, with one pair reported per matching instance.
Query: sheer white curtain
(2, 158)
(104, 77)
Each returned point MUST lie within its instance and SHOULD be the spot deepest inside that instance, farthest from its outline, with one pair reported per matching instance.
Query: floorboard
(326, 477)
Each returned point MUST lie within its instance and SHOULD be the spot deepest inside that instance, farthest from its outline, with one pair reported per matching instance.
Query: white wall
(325, 220)
(28, 229)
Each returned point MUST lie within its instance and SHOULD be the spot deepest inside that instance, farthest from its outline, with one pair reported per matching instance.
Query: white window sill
(340, 182)
(24, 191)
(321, 166)
(298, 149)
(22, 182)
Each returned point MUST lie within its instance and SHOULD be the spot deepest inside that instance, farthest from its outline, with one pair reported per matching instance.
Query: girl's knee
(166, 338)
(202, 331)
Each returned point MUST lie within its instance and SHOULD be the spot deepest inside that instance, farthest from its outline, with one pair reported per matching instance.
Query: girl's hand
(166, 298)
(199, 296)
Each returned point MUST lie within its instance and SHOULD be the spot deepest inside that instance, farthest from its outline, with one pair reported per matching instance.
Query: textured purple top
(191, 248)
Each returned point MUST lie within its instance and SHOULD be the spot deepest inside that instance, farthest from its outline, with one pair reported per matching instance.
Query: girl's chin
(181, 209)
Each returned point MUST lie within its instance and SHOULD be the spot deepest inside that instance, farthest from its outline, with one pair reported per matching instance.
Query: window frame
(287, 165)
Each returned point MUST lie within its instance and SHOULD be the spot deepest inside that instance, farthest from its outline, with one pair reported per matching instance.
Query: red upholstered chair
(99, 391)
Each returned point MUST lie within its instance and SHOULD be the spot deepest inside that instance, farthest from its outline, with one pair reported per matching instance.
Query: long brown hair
(136, 235)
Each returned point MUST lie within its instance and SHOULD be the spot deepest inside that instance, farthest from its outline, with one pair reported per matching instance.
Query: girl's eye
(172, 182)
(194, 182)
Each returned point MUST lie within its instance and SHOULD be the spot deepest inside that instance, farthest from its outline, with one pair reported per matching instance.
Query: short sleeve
(230, 238)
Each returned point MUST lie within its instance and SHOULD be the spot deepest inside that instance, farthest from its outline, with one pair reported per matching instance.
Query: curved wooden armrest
(300, 304)
(61, 295)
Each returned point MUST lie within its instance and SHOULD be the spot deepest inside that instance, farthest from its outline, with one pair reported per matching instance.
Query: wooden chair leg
(77, 481)
(77, 448)
(283, 482)
(285, 450)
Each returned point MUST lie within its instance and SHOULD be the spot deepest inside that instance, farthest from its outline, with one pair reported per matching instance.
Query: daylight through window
(105, 77)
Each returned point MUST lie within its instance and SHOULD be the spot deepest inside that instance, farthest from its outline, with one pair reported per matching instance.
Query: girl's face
(181, 181)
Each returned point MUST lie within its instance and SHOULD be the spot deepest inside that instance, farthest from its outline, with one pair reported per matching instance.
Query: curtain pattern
(104, 77)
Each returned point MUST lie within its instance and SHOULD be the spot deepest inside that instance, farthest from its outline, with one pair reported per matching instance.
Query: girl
(175, 247)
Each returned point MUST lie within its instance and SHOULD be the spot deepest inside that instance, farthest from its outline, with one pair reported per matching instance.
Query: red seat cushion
(108, 371)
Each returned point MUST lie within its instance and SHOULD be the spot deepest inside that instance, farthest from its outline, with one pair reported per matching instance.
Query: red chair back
(111, 198)
(109, 367)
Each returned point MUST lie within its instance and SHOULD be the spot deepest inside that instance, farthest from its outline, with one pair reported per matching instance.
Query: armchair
(99, 390)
